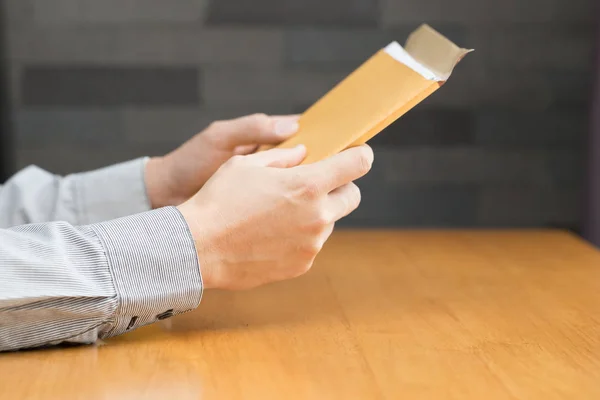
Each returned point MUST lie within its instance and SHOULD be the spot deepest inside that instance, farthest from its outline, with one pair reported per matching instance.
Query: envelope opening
(428, 53)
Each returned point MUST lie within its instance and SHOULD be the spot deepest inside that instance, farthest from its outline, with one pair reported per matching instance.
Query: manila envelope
(385, 87)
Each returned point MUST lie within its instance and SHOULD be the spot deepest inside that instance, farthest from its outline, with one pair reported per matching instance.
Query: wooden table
(382, 315)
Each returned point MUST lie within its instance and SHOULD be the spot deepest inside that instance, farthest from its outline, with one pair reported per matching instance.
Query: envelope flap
(434, 51)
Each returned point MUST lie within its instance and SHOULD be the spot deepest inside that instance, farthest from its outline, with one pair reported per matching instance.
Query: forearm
(62, 283)
(34, 195)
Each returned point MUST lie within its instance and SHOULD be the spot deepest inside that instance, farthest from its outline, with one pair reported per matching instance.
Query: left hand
(174, 178)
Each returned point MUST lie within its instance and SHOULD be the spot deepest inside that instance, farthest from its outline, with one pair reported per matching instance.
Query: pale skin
(256, 218)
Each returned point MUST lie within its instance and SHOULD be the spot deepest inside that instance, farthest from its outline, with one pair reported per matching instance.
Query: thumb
(279, 158)
(254, 129)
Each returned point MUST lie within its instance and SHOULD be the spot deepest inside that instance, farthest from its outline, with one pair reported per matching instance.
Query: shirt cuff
(154, 266)
(112, 192)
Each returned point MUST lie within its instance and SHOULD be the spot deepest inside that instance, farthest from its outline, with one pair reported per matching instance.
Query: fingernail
(286, 127)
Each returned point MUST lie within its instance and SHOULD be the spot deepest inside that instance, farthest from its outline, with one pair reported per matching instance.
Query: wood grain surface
(382, 315)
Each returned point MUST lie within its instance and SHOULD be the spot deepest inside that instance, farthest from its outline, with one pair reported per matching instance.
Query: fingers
(343, 200)
(253, 129)
(326, 234)
(339, 169)
(278, 158)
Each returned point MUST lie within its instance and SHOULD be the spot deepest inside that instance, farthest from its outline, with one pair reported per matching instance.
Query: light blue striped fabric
(72, 280)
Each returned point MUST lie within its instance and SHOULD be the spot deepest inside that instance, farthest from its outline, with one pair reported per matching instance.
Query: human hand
(263, 217)
(174, 178)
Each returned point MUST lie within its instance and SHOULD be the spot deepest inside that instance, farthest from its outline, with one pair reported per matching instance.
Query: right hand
(263, 217)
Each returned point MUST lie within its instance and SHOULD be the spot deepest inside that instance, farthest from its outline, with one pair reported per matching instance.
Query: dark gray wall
(95, 82)
(6, 164)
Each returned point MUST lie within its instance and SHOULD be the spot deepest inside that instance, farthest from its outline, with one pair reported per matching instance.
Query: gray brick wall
(96, 82)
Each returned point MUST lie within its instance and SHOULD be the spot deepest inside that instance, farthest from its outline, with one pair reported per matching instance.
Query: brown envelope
(384, 88)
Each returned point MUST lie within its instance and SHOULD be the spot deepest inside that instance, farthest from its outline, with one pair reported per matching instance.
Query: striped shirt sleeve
(34, 195)
(63, 283)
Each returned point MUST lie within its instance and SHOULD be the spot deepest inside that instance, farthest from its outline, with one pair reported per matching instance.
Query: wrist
(203, 253)
(157, 183)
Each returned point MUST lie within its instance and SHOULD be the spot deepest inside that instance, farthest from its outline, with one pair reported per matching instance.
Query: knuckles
(303, 189)
(308, 251)
(300, 269)
(212, 132)
(322, 220)
(317, 223)
(309, 190)
(261, 122)
(304, 268)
